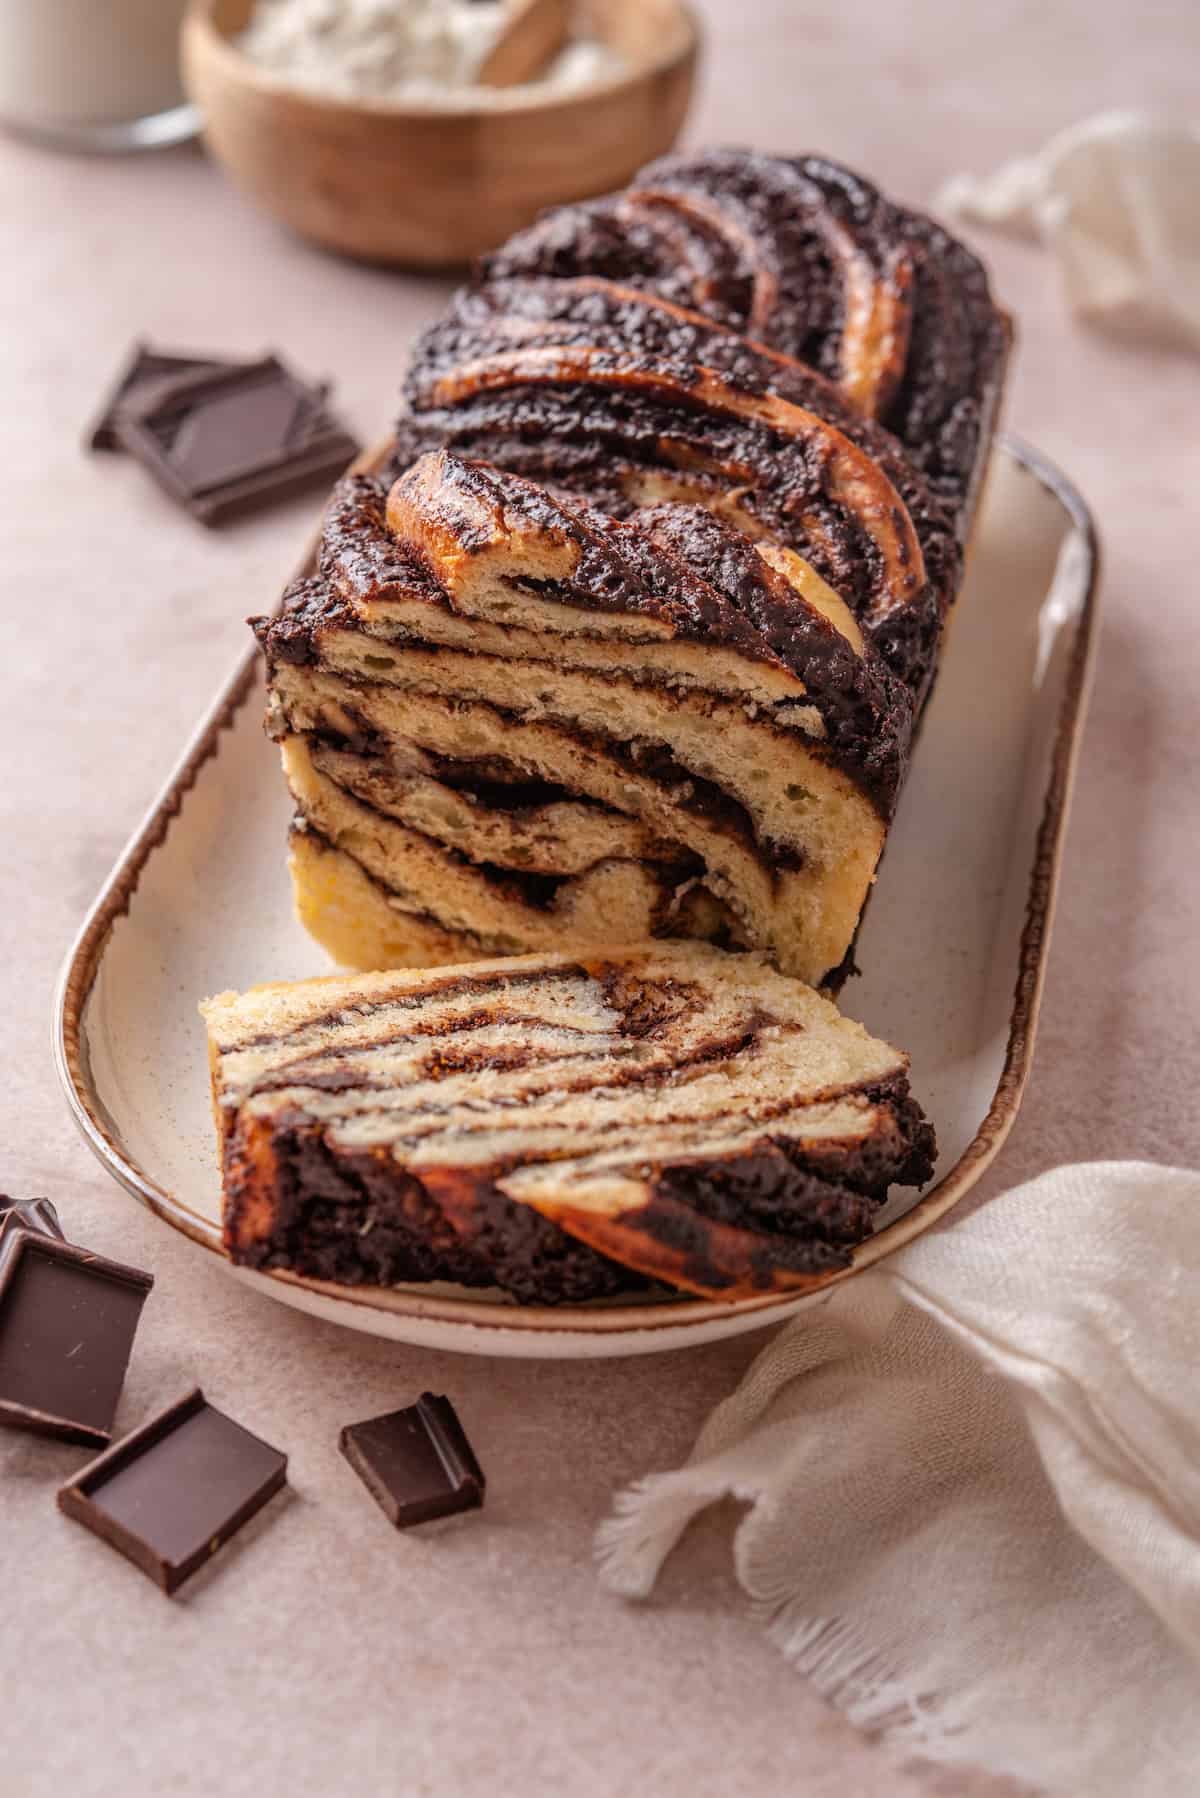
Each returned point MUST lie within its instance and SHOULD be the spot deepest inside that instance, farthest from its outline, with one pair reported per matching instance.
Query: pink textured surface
(328, 1655)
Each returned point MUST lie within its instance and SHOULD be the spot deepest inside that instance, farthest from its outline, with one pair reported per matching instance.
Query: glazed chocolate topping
(806, 256)
(867, 710)
(622, 400)
(637, 327)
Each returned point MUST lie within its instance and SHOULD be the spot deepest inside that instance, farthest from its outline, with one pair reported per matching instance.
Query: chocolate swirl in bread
(561, 1126)
(809, 258)
(510, 720)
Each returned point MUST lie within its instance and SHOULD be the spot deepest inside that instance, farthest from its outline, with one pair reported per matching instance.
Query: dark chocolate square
(143, 367)
(37, 1215)
(416, 1463)
(224, 442)
(174, 1492)
(67, 1323)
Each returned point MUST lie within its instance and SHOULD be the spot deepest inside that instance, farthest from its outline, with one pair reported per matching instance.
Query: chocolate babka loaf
(512, 722)
(632, 632)
(564, 1127)
(809, 258)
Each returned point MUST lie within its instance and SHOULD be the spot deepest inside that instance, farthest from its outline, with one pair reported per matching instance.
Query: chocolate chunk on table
(174, 1492)
(67, 1323)
(143, 368)
(37, 1215)
(224, 442)
(416, 1463)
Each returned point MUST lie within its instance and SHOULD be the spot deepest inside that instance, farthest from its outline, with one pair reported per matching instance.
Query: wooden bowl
(431, 185)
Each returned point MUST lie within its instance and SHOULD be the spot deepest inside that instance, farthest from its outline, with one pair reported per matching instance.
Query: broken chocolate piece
(416, 1463)
(143, 367)
(67, 1323)
(172, 1493)
(37, 1215)
(222, 442)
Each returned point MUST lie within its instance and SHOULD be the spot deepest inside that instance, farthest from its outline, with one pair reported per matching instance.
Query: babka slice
(561, 1126)
(809, 258)
(510, 722)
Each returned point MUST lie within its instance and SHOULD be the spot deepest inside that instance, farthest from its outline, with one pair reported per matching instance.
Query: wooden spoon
(533, 32)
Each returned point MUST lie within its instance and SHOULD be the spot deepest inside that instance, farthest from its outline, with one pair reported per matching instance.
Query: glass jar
(94, 74)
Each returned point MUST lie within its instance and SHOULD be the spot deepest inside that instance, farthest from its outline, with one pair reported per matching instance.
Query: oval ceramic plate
(953, 947)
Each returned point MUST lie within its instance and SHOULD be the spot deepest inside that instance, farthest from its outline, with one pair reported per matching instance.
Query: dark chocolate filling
(654, 762)
(864, 711)
(539, 892)
(359, 1219)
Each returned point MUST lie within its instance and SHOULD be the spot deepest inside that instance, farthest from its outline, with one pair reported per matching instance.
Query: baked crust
(808, 257)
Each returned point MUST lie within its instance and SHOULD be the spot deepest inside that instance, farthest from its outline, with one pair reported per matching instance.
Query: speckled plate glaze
(953, 948)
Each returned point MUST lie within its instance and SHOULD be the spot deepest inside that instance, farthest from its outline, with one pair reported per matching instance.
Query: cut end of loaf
(556, 720)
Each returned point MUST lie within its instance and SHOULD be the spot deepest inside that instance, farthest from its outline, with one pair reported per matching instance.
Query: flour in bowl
(398, 49)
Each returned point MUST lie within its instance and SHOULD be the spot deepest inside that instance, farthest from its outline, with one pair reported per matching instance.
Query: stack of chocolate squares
(221, 437)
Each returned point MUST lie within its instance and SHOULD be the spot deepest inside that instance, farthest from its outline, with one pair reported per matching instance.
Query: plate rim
(82, 961)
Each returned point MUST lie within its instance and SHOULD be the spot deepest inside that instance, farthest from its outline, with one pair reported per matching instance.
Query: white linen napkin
(1117, 201)
(973, 1481)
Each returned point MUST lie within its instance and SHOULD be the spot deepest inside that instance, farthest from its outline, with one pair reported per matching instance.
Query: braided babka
(562, 1126)
(627, 401)
(809, 258)
(631, 634)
